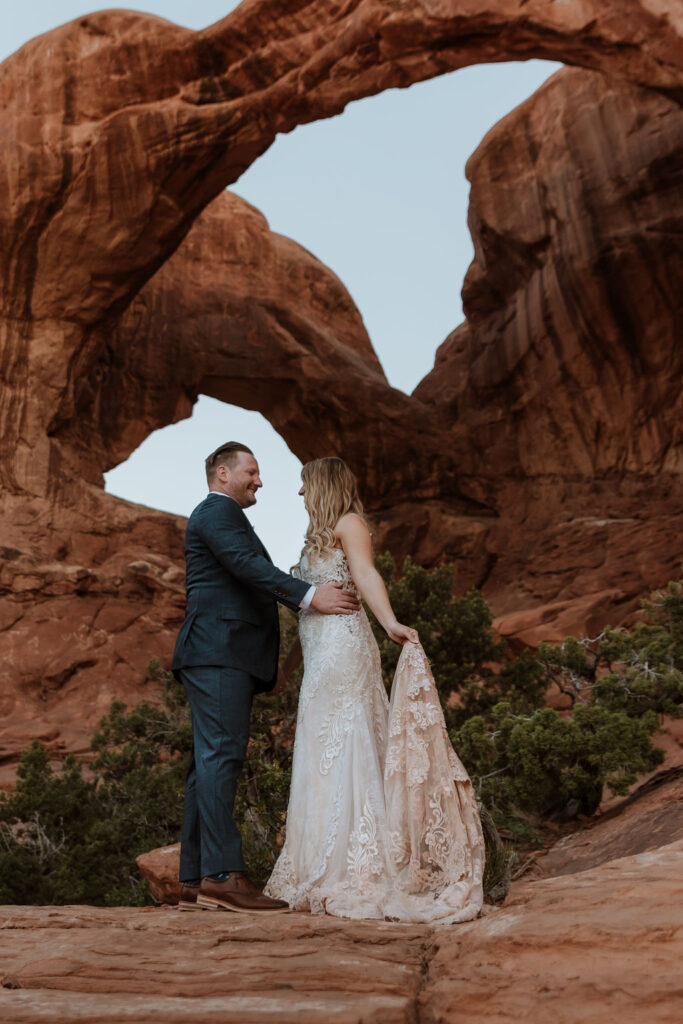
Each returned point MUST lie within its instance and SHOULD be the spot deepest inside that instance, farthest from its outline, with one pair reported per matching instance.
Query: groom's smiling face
(241, 480)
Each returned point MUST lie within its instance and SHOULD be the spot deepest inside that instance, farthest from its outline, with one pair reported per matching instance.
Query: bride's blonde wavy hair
(330, 491)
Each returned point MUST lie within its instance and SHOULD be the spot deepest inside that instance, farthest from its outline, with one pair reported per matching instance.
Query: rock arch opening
(167, 473)
(379, 195)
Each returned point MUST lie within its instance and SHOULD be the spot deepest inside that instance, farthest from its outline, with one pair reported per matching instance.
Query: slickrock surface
(168, 965)
(651, 817)
(597, 946)
(542, 455)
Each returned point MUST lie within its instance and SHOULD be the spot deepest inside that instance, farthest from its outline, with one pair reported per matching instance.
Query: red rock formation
(124, 126)
(650, 818)
(600, 945)
(562, 391)
(85, 602)
(148, 964)
(512, 459)
(251, 318)
(573, 300)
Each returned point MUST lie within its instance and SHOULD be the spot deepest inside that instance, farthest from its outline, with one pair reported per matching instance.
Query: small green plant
(554, 766)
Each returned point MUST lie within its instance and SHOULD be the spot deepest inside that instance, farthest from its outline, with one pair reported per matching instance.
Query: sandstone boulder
(161, 868)
(652, 816)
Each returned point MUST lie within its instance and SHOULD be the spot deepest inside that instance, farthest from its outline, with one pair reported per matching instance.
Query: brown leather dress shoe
(188, 897)
(238, 893)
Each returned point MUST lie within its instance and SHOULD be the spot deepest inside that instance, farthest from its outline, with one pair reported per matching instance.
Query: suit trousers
(220, 700)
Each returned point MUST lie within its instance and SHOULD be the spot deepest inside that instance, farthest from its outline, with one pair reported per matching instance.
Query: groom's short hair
(225, 455)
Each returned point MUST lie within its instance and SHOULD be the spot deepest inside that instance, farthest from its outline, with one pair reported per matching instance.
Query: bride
(382, 819)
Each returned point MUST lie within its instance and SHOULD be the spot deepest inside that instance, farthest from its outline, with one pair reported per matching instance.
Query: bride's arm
(357, 544)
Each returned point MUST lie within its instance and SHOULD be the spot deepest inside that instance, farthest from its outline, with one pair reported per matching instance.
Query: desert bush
(633, 671)
(71, 835)
(618, 684)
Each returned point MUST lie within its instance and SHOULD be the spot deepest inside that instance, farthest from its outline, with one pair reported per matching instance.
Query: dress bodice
(328, 567)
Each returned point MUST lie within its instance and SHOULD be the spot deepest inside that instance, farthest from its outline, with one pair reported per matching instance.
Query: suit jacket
(232, 593)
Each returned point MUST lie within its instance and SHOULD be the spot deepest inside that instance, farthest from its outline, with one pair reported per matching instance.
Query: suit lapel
(259, 543)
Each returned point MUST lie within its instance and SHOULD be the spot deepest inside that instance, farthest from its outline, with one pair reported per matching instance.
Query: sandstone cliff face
(543, 453)
(562, 391)
(573, 300)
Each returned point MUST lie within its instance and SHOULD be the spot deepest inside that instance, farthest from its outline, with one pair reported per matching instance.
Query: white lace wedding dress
(382, 819)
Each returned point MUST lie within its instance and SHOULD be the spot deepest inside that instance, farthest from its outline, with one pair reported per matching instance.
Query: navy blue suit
(227, 650)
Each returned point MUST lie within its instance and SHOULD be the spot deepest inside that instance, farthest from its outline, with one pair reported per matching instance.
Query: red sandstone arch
(559, 398)
(123, 126)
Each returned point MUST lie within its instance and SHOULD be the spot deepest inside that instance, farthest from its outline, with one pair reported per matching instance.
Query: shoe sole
(210, 903)
(185, 905)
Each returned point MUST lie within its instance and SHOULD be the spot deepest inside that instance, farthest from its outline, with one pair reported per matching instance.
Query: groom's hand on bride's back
(332, 599)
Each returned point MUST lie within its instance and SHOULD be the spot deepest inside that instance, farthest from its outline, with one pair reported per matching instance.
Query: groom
(227, 650)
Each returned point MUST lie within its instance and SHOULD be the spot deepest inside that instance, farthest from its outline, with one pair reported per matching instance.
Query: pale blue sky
(379, 195)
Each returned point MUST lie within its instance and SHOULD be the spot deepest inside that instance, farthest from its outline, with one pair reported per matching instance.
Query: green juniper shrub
(526, 761)
(633, 671)
(71, 835)
(44, 826)
(75, 838)
(619, 684)
(553, 766)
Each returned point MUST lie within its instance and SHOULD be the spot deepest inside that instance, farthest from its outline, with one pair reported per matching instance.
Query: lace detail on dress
(363, 857)
(382, 820)
(333, 733)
